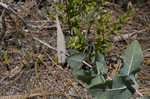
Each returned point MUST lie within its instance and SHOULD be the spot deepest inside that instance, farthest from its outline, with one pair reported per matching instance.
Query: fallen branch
(126, 36)
(123, 37)
(3, 31)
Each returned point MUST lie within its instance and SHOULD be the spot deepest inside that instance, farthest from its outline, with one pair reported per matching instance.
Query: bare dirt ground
(45, 79)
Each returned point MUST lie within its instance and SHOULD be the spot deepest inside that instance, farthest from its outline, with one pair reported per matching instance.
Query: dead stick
(2, 34)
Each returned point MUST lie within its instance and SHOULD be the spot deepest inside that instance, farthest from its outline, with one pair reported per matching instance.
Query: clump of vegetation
(122, 86)
(88, 17)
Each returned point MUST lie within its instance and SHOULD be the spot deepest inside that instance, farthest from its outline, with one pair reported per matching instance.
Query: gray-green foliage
(122, 86)
(75, 61)
(133, 59)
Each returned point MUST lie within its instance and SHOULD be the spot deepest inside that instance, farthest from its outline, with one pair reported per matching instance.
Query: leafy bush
(89, 17)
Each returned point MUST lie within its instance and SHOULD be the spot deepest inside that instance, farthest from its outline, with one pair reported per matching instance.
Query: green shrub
(91, 17)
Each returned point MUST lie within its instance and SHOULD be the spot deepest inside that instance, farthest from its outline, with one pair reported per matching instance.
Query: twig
(87, 64)
(3, 26)
(139, 93)
(47, 27)
(126, 36)
(146, 50)
(123, 37)
(114, 89)
(38, 80)
(44, 43)
(50, 58)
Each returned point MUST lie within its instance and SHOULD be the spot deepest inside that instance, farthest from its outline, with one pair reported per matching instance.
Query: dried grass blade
(60, 43)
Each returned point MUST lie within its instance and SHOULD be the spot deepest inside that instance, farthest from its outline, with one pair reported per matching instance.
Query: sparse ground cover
(29, 69)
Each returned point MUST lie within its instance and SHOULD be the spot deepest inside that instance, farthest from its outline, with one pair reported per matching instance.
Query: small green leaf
(52, 15)
(123, 18)
(6, 57)
(40, 57)
(75, 61)
(80, 35)
(100, 63)
(102, 1)
(91, 15)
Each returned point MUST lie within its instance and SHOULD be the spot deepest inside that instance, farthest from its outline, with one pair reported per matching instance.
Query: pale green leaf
(132, 58)
(75, 61)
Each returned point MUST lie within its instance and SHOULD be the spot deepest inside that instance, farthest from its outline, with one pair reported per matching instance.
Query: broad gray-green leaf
(99, 58)
(117, 91)
(79, 72)
(145, 97)
(130, 82)
(100, 63)
(97, 81)
(132, 58)
(118, 82)
(71, 52)
(104, 94)
(75, 61)
(101, 68)
(84, 76)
